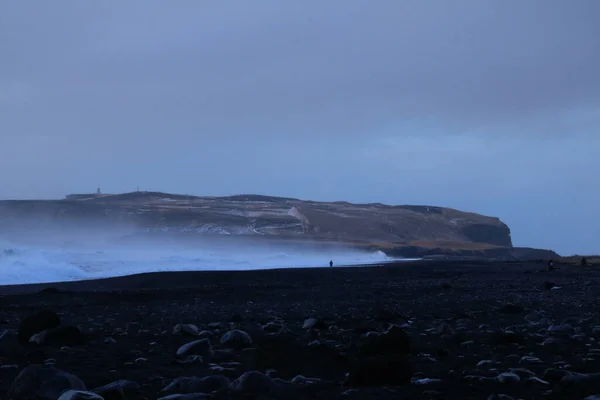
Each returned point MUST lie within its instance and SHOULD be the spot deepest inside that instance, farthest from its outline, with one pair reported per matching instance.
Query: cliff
(382, 226)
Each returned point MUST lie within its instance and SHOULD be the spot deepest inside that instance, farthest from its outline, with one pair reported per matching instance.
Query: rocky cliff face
(253, 215)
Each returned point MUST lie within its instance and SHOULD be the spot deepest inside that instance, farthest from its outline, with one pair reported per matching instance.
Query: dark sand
(453, 312)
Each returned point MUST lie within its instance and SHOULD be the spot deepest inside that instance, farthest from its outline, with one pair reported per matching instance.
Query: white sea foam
(39, 264)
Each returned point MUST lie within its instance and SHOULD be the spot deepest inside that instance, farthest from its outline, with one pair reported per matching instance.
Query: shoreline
(458, 319)
(160, 278)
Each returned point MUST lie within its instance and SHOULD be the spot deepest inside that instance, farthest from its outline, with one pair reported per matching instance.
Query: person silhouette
(330, 263)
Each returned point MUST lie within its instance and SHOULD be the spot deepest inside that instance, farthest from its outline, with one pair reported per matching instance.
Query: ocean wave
(21, 264)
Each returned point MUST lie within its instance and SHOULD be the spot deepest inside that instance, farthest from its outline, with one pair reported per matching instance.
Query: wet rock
(119, 390)
(426, 381)
(549, 285)
(79, 395)
(290, 356)
(560, 329)
(236, 339)
(302, 380)
(40, 382)
(194, 384)
(529, 360)
(511, 308)
(190, 360)
(380, 370)
(191, 396)
(314, 323)
(133, 328)
(506, 337)
(256, 383)
(534, 317)
(36, 323)
(537, 381)
(394, 341)
(61, 336)
(186, 329)
(200, 347)
(508, 377)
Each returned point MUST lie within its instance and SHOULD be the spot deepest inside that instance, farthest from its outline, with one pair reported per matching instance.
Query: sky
(489, 106)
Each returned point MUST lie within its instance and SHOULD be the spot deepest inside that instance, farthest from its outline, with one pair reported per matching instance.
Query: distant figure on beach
(550, 265)
(583, 262)
(331, 264)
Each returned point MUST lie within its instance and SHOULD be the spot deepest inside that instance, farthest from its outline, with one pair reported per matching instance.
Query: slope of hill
(255, 215)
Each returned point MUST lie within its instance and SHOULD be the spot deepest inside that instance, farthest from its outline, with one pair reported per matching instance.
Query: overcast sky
(481, 105)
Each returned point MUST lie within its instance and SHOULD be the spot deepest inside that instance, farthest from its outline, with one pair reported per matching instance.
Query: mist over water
(38, 262)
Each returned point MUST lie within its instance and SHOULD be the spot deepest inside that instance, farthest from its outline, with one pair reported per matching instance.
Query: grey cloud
(480, 105)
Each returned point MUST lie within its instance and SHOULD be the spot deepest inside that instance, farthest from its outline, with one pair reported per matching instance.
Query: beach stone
(60, 336)
(79, 395)
(192, 384)
(187, 329)
(380, 370)
(36, 323)
(314, 323)
(236, 339)
(133, 328)
(508, 377)
(394, 341)
(41, 382)
(254, 383)
(511, 308)
(119, 390)
(200, 347)
(190, 396)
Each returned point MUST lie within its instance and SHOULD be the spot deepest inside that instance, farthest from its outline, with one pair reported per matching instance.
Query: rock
(302, 380)
(3, 333)
(190, 360)
(133, 328)
(40, 382)
(191, 396)
(554, 375)
(508, 377)
(549, 285)
(506, 337)
(593, 397)
(194, 384)
(119, 390)
(61, 336)
(426, 381)
(187, 329)
(560, 329)
(200, 347)
(256, 383)
(380, 370)
(536, 380)
(236, 339)
(314, 323)
(273, 327)
(79, 395)
(290, 356)
(534, 317)
(511, 308)
(529, 360)
(394, 341)
(36, 323)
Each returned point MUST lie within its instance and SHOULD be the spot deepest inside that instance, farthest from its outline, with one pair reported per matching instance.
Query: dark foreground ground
(472, 331)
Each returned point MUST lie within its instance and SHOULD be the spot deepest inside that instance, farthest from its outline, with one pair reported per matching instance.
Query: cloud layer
(487, 106)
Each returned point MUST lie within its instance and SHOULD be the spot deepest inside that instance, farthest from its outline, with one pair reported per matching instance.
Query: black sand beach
(418, 330)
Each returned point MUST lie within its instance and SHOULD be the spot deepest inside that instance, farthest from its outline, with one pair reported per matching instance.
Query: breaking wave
(22, 264)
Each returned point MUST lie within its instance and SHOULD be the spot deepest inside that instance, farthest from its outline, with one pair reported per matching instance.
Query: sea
(22, 263)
